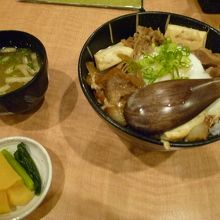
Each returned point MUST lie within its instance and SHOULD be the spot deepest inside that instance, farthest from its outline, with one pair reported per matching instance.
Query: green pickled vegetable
(167, 59)
(19, 169)
(24, 158)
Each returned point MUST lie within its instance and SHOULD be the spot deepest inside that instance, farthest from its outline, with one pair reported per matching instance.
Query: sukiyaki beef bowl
(127, 56)
(23, 72)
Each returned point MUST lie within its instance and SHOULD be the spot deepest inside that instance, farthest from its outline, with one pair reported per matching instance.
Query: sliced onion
(18, 79)
(198, 133)
(8, 49)
(23, 69)
(4, 88)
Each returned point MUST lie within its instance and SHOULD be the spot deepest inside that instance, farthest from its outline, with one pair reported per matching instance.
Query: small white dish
(43, 163)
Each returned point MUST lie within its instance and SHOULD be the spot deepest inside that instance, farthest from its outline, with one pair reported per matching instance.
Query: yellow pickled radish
(4, 203)
(13, 191)
(19, 194)
(8, 175)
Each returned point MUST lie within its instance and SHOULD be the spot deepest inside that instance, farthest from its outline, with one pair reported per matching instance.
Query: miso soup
(17, 67)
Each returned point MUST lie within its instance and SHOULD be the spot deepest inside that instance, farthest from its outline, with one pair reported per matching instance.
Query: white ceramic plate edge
(43, 162)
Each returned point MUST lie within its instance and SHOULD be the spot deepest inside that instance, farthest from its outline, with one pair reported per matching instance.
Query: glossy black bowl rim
(43, 60)
(125, 129)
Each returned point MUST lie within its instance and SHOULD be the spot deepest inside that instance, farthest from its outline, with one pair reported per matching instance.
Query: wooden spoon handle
(206, 92)
(211, 84)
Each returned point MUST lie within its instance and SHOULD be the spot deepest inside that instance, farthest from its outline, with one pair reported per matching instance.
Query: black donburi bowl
(120, 28)
(31, 94)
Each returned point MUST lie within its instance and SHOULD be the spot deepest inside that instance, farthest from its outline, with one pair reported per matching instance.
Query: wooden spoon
(165, 105)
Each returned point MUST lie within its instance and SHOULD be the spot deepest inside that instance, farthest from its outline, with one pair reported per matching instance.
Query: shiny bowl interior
(122, 27)
(32, 93)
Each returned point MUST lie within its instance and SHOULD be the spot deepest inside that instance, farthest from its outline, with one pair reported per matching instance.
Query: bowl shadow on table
(128, 157)
(95, 210)
(185, 163)
(55, 191)
(117, 155)
(60, 100)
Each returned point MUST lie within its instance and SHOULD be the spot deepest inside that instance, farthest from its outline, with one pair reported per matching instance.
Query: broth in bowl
(17, 67)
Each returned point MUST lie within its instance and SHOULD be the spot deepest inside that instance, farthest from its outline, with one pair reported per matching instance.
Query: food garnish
(13, 191)
(167, 59)
(24, 158)
(20, 178)
(19, 169)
